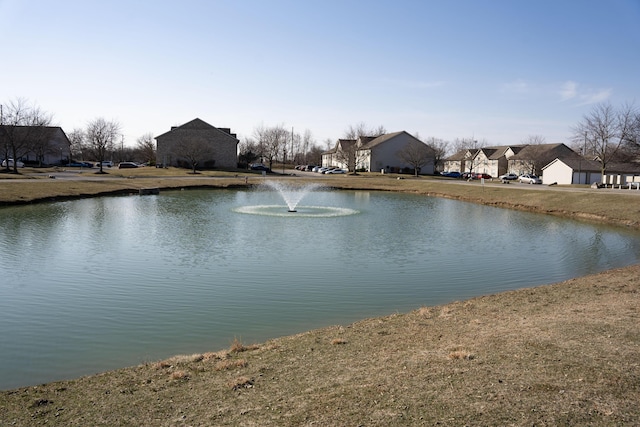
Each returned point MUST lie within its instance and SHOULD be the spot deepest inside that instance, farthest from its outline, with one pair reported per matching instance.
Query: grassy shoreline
(615, 207)
(561, 354)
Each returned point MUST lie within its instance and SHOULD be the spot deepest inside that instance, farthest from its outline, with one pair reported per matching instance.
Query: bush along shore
(561, 354)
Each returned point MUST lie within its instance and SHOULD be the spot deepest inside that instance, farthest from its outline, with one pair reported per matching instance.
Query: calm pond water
(102, 283)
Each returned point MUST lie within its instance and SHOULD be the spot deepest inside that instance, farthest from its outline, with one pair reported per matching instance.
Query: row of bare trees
(276, 143)
(22, 130)
(101, 140)
(609, 134)
(25, 128)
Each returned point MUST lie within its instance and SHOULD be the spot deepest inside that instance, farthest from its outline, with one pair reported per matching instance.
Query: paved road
(494, 183)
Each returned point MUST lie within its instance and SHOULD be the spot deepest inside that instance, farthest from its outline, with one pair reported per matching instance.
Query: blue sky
(494, 70)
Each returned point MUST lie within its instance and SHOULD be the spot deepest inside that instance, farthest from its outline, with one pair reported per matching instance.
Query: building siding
(222, 143)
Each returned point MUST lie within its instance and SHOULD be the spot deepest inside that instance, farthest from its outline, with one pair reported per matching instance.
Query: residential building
(579, 170)
(376, 154)
(494, 161)
(197, 141)
(38, 145)
(490, 160)
(340, 155)
(461, 161)
(532, 158)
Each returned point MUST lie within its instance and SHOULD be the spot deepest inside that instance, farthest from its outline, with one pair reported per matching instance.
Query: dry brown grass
(240, 383)
(461, 354)
(238, 347)
(179, 375)
(224, 365)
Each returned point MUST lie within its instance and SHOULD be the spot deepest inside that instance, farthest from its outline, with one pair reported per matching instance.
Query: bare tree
(536, 154)
(23, 129)
(362, 129)
(248, 151)
(605, 130)
(307, 143)
(314, 155)
(440, 148)
(460, 144)
(470, 147)
(328, 144)
(77, 147)
(271, 141)
(193, 150)
(146, 147)
(534, 140)
(101, 136)
(417, 154)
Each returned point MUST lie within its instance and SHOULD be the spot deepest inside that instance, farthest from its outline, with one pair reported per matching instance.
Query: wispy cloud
(593, 97)
(572, 91)
(569, 90)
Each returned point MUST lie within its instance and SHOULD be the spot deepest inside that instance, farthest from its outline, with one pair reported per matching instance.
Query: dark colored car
(451, 174)
(79, 165)
(127, 165)
(259, 167)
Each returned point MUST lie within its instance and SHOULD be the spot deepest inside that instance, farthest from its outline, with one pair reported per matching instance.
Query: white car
(336, 170)
(528, 178)
(508, 177)
(4, 163)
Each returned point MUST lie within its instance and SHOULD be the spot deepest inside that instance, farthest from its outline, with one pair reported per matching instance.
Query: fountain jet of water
(292, 194)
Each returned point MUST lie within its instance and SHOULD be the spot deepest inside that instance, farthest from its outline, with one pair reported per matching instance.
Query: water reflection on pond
(96, 284)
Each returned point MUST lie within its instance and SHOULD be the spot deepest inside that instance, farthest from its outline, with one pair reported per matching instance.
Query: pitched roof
(345, 144)
(381, 139)
(34, 131)
(462, 154)
(577, 162)
(488, 152)
(199, 124)
(501, 150)
(549, 150)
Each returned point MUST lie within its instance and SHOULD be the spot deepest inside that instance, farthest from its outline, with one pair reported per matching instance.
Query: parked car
(79, 164)
(451, 174)
(4, 163)
(127, 165)
(107, 163)
(468, 175)
(316, 168)
(482, 175)
(336, 170)
(508, 177)
(259, 167)
(528, 178)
